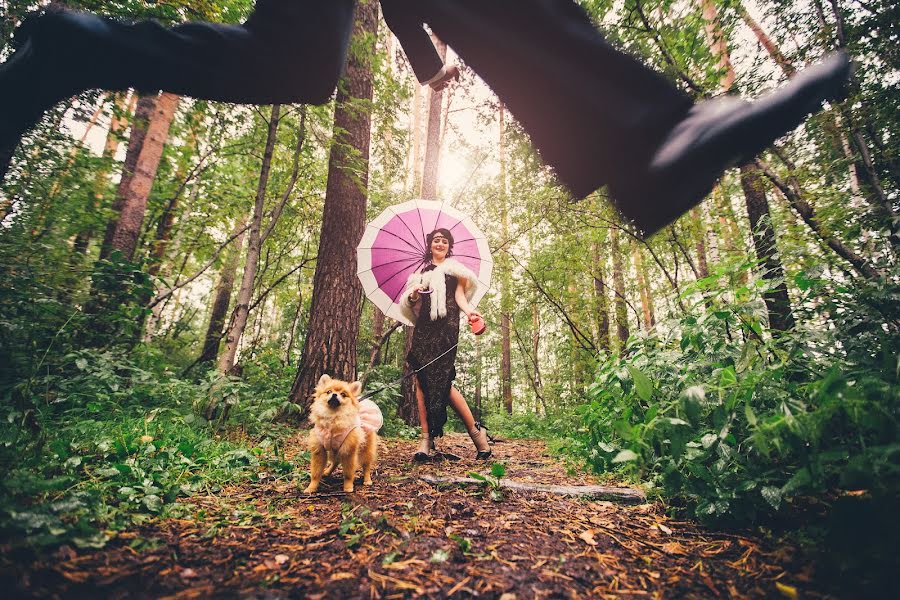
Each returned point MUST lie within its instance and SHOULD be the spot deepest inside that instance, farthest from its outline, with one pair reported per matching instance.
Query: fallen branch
(587, 492)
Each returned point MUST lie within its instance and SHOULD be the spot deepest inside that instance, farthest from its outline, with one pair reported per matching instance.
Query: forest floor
(403, 537)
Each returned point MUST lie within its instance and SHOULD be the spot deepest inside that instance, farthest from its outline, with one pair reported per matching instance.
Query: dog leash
(410, 374)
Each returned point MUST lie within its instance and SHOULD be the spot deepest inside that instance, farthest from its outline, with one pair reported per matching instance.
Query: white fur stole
(435, 280)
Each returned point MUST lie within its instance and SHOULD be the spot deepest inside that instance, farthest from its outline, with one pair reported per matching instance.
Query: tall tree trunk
(505, 277)
(295, 321)
(643, 288)
(334, 315)
(124, 234)
(536, 347)
(415, 172)
(861, 166)
(117, 125)
(601, 303)
(167, 219)
(715, 38)
(781, 318)
(139, 124)
(222, 296)
(778, 302)
(408, 408)
(619, 287)
(241, 310)
(700, 245)
(433, 135)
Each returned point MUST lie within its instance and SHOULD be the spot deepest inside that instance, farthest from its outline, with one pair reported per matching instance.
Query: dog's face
(336, 394)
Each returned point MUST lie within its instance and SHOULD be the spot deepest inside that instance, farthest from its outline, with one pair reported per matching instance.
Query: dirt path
(404, 538)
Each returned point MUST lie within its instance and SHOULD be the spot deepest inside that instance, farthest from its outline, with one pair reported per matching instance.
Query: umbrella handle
(426, 291)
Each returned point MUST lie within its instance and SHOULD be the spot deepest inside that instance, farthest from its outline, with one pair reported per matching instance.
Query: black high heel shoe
(481, 440)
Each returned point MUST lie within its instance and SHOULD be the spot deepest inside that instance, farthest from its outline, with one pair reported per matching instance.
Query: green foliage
(107, 442)
(735, 425)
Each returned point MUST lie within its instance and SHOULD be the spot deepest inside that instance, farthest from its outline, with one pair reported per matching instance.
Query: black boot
(718, 134)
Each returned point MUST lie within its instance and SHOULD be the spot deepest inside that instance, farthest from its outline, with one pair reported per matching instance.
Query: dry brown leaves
(404, 538)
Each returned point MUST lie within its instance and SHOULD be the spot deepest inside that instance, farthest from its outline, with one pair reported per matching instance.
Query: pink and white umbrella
(393, 247)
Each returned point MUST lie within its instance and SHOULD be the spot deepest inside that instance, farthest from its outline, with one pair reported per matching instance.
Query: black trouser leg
(287, 51)
(593, 112)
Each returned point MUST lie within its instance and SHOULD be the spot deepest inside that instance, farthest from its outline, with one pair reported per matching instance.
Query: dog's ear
(324, 380)
(356, 389)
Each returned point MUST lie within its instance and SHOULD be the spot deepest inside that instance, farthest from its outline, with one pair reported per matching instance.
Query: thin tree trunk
(331, 342)
(601, 302)
(117, 124)
(254, 245)
(222, 296)
(295, 321)
(700, 245)
(167, 219)
(643, 288)
(619, 287)
(778, 303)
(505, 283)
(792, 192)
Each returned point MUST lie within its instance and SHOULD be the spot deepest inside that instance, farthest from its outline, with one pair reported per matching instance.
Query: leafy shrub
(733, 424)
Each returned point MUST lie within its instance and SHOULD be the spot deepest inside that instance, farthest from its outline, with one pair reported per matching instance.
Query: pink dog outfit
(369, 419)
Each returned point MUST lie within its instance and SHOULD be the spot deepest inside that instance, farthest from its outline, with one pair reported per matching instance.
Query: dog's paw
(367, 481)
(311, 489)
(348, 487)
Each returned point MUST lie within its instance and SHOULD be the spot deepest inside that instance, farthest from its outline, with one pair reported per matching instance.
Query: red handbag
(477, 324)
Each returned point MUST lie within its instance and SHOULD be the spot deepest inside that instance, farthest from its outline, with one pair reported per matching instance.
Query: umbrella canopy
(393, 247)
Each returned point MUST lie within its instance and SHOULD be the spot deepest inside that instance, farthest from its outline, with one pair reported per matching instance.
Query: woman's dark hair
(445, 233)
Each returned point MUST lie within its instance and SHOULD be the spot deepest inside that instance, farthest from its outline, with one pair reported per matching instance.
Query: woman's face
(439, 246)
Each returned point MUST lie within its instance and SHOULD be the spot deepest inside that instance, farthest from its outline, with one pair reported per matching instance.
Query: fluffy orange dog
(344, 430)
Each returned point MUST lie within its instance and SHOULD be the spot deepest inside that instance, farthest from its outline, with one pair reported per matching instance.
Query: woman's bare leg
(478, 435)
(425, 443)
(462, 408)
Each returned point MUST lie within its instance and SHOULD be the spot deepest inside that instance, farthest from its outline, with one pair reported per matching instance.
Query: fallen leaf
(187, 573)
(664, 529)
(281, 558)
(588, 536)
(342, 575)
(788, 591)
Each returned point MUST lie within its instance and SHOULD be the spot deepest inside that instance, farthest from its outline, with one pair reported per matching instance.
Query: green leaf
(625, 456)
(642, 384)
(772, 495)
(751, 416)
(498, 470)
(440, 555)
(81, 363)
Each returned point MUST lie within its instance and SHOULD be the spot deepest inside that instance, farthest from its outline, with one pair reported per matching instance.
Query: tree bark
(222, 297)
(139, 124)
(124, 234)
(117, 125)
(643, 288)
(334, 315)
(505, 277)
(433, 134)
(778, 303)
(241, 310)
(619, 287)
(601, 302)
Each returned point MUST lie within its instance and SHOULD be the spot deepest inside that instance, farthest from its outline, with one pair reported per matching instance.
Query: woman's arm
(463, 302)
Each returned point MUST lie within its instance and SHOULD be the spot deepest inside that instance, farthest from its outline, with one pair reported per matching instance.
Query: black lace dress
(430, 340)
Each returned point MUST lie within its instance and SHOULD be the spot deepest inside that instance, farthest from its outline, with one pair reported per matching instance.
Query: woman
(433, 300)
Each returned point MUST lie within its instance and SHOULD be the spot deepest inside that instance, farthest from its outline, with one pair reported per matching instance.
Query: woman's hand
(414, 294)
(473, 313)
